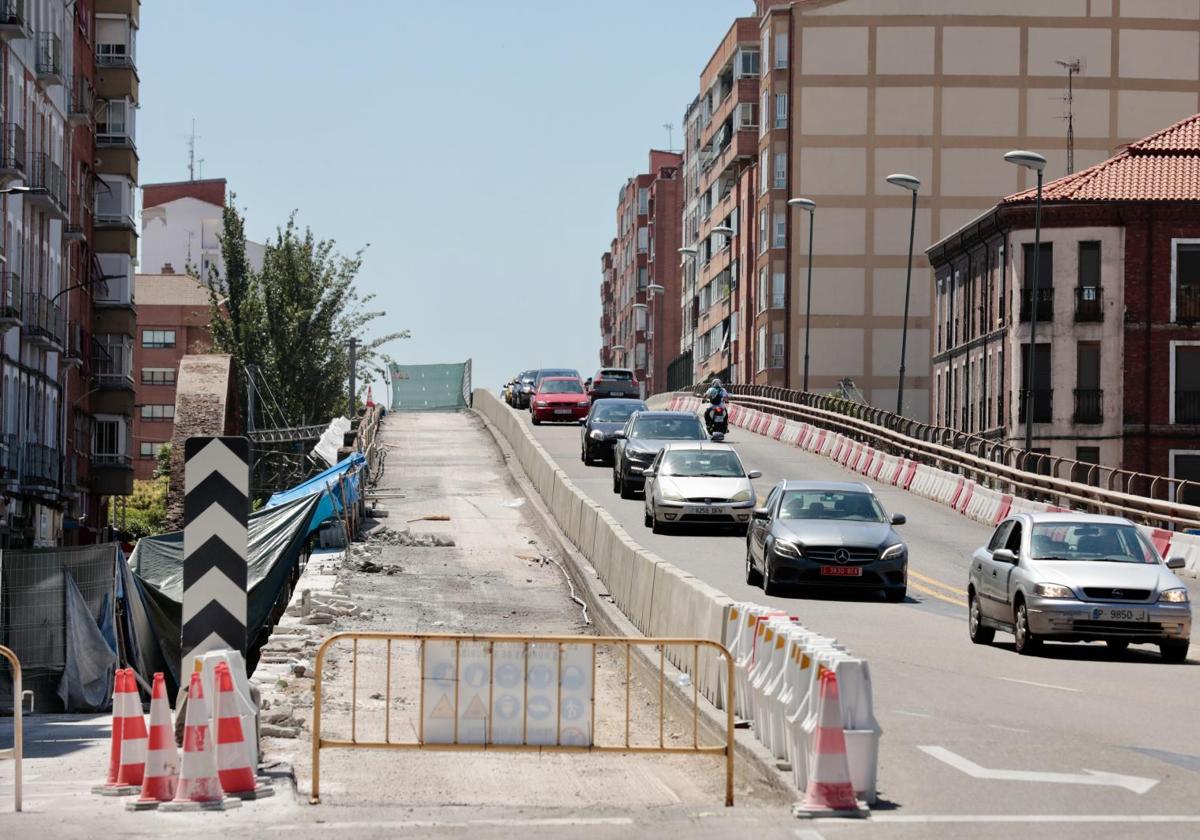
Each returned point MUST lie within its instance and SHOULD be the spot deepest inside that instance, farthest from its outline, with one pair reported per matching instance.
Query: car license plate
(706, 511)
(1117, 614)
(618, 393)
(842, 571)
(562, 411)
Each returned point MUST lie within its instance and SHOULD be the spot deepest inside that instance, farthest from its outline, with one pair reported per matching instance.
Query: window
(158, 376)
(766, 53)
(1185, 465)
(780, 171)
(1083, 473)
(114, 123)
(108, 436)
(781, 50)
(1185, 376)
(780, 240)
(158, 412)
(1013, 542)
(762, 288)
(760, 358)
(643, 239)
(747, 115)
(1042, 393)
(777, 350)
(150, 449)
(1087, 294)
(778, 283)
(748, 63)
(781, 110)
(762, 230)
(764, 159)
(641, 277)
(1045, 283)
(643, 200)
(114, 200)
(1088, 408)
(764, 109)
(158, 338)
(1185, 287)
(1000, 537)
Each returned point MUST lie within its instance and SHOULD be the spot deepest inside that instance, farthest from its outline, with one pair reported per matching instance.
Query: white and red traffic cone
(830, 792)
(110, 786)
(162, 759)
(234, 766)
(198, 788)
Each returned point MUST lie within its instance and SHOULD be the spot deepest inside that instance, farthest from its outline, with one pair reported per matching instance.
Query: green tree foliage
(293, 321)
(146, 509)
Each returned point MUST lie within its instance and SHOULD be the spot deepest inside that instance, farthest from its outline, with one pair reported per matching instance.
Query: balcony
(12, 19)
(129, 8)
(1187, 406)
(114, 55)
(12, 152)
(1187, 304)
(39, 469)
(112, 362)
(49, 185)
(81, 102)
(1089, 405)
(1089, 304)
(77, 351)
(49, 60)
(112, 472)
(1045, 304)
(43, 322)
(10, 298)
(1043, 402)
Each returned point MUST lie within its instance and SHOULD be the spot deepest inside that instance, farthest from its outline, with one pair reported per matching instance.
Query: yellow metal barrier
(490, 640)
(15, 751)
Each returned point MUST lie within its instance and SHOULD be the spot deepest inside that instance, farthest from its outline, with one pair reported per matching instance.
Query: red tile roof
(1162, 167)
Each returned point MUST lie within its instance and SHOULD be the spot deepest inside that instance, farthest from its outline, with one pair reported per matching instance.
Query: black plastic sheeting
(278, 537)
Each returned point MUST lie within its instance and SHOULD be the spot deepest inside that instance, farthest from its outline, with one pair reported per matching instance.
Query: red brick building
(642, 272)
(1116, 376)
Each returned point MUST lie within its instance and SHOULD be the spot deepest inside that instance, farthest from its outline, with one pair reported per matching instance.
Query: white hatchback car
(699, 483)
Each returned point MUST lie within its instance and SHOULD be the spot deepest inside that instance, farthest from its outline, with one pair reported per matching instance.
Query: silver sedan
(698, 483)
(1075, 578)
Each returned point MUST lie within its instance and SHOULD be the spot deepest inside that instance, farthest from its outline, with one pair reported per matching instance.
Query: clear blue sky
(477, 146)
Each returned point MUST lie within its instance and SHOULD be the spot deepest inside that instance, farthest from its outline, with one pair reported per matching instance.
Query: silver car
(1077, 578)
(698, 484)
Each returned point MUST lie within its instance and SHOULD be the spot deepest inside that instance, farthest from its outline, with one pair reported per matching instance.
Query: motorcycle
(716, 422)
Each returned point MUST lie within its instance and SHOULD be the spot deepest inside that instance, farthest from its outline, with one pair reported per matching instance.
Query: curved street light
(1036, 162)
(808, 206)
(913, 185)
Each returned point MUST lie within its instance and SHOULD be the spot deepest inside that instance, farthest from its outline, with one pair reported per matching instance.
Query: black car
(644, 435)
(523, 388)
(606, 418)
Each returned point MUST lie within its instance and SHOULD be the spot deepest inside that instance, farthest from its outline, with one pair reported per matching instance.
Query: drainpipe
(1147, 276)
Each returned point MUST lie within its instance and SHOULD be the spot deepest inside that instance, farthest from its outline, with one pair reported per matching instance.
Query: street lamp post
(729, 233)
(1034, 161)
(913, 185)
(652, 291)
(810, 207)
(687, 256)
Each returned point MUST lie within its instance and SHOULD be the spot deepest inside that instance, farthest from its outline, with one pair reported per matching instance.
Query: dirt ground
(498, 577)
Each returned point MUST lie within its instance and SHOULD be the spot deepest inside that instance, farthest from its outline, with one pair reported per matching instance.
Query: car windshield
(696, 463)
(609, 412)
(623, 375)
(560, 386)
(822, 504)
(668, 428)
(1111, 543)
(546, 374)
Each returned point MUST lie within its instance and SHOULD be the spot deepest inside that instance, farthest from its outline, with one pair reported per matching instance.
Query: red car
(559, 399)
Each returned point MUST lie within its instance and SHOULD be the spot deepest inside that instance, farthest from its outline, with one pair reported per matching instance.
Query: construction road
(969, 731)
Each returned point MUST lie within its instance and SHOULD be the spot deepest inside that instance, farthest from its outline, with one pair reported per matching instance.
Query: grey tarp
(87, 678)
(277, 540)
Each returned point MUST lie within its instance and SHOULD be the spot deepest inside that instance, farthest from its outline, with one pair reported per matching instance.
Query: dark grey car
(645, 433)
(826, 533)
(523, 389)
(606, 418)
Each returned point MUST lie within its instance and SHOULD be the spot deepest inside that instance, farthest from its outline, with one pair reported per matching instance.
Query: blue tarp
(330, 488)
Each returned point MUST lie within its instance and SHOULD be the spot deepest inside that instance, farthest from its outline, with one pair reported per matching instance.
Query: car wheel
(770, 584)
(753, 576)
(980, 635)
(1174, 650)
(585, 454)
(536, 421)
(658, 527)
(647, 519)
(895, 594)
(1117, 645)
(627, 492)
(1026, 643)
(616, 479)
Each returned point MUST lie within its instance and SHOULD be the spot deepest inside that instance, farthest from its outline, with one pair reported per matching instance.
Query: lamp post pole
(810, 207)
(913, 185)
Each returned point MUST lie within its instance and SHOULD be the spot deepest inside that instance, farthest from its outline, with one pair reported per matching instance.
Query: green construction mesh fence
(431, 387)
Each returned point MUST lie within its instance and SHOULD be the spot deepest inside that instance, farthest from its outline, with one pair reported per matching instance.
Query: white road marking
(1005, 728)
(1034, 818)
(1137, 784)
(911, 714)
(1038, 684)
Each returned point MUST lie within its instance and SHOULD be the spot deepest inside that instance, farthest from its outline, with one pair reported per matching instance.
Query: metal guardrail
(15, 751)
(1146, 498)
(560, 744)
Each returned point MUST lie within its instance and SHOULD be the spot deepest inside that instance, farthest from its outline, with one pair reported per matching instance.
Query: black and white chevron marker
(216, 508)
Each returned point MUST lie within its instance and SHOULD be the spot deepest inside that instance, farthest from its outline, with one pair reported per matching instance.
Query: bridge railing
(1146, 498)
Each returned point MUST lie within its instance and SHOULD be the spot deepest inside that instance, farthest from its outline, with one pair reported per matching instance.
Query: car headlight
(1053, 590)
(787, 548)
(596, 434)
(892, 552)
(541, 403)
(671, 496)
(741, 496)
(1174, 596)
(584, 403)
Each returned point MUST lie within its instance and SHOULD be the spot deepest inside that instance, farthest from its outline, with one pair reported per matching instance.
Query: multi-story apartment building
(67, 166)
(854, 90)
(644, 267)
(181, 228)
(607, 308)
(1116, 354)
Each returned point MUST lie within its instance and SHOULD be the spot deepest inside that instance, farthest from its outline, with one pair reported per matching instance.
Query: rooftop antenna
(1072, 67)
(192, 153)
(670, 127)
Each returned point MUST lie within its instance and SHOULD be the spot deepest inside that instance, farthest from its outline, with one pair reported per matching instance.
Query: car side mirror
(619, 435)
(762, 513)
(1005, 555)
(1177, 563)
(648, 473)
(899, 518)
(754, 474)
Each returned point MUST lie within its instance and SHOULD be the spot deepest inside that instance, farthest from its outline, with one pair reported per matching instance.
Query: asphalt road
(1074, 709)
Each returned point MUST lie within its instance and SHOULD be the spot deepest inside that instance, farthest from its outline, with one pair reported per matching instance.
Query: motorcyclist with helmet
(716, 396)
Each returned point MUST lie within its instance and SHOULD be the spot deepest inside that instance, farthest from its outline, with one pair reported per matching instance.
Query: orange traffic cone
(233, 751)
(111, 787)
(162, 759)
(370, 400)
(830, 792)
(198, 788)
(133, 735)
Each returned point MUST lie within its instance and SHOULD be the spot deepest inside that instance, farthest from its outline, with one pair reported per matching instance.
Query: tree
(293, 320)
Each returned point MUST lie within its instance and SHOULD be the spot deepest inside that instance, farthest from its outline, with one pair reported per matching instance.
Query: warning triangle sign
(475, 709)
(442, 709)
